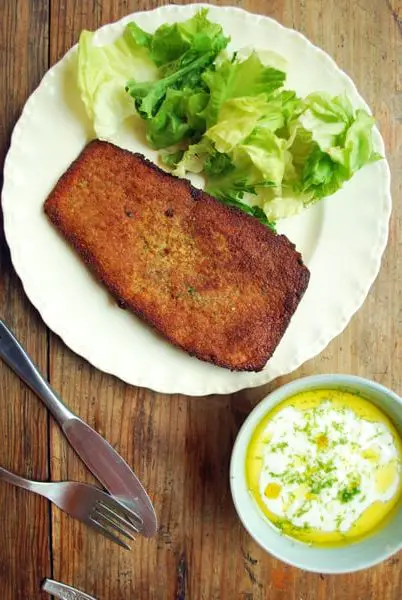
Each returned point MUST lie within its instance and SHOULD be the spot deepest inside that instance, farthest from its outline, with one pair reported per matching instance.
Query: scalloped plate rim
(253, 379)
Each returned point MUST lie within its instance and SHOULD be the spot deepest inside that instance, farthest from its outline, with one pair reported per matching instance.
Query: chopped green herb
(303, 509)
(338, 521)
(279, 446)
(318, 486)
(347, 494)
(274, 475)
(285, 526)
(289, 477)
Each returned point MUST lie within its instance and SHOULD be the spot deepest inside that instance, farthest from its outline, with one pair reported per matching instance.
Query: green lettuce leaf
(149, 95)
(327, 118)
(265, 152)
(102, 75)
(340, 144)
(133, 34)
(173, 106)
(357, 148)
(236, 79)
(280, 203)
(172, 47)
(170, 124)
(232, 187)
(281, 153)
(194, 158)
(171, 159)
(321, 175)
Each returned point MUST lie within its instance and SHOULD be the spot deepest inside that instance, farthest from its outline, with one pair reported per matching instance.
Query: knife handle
(63, 591)
(18, 360)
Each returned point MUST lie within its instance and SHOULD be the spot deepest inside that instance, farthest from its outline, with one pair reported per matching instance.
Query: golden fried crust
(210, 278)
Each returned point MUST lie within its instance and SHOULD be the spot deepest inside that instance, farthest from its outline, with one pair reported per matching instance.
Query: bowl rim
(272, 399)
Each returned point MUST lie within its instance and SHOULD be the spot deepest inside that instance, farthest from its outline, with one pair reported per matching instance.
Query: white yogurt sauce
(323, 467)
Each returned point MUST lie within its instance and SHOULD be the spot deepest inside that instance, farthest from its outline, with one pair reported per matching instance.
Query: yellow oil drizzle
(375, 516)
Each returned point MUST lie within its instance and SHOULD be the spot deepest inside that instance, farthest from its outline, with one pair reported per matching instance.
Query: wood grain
(25, 544)
(180, 447)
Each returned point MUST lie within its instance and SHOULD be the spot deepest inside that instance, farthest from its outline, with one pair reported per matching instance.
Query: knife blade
(112, 471)
(98, 455)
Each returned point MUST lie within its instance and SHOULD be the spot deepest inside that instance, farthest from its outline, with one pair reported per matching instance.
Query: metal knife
(98, 455)
(63, 591)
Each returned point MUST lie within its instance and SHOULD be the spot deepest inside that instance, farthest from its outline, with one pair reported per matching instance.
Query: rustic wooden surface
(180, 446)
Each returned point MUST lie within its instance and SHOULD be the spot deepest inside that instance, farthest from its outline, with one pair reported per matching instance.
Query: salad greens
(173, 105)
(229, 117)
(102, 75)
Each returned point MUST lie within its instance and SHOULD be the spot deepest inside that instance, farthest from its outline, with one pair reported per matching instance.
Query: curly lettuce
(260, 146)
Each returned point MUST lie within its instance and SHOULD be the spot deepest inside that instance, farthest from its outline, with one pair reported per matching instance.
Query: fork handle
(63, 591)
(15, 356)
(21, 482)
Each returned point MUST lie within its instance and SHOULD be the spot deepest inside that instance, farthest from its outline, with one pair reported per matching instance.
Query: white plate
(341, 239)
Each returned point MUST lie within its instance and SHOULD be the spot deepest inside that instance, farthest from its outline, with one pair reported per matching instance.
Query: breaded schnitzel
(211, 279)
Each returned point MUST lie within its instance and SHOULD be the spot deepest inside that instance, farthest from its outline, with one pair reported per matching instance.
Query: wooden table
(180, 447)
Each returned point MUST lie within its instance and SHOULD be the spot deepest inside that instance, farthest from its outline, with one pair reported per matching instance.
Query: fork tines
(113, 516)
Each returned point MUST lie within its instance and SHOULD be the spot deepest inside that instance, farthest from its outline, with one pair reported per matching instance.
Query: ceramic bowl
(342, 559)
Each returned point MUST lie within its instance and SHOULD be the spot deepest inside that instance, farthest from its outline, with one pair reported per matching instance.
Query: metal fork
(85, 502)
